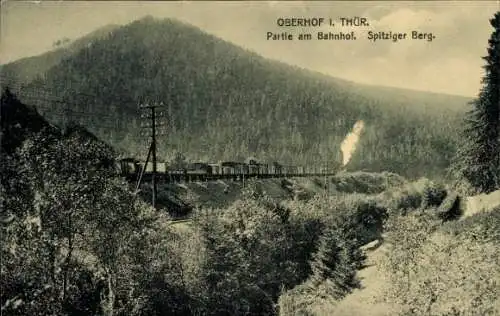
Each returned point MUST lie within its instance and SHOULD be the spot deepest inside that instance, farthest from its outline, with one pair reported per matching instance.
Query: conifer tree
(336, 261)
(478, 159)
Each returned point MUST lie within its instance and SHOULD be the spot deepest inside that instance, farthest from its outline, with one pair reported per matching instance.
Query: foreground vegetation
(444, 269)
(76, 240)
(434, 263)
(254, 257)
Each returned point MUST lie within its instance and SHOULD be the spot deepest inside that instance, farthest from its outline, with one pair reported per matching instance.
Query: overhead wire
(40, 96)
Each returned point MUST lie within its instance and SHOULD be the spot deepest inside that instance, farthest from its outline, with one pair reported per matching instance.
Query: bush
(366, 182)
(250, 257)
(421, 194)
(303, 299)
(444, 270)
(484, 227)
(405, 234)
(27, 285)
(433, 195)
(360, 217)
(450, 208)
(456, 277)
(158, 272)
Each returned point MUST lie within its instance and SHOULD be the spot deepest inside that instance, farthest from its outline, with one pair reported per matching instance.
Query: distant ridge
(28, 68)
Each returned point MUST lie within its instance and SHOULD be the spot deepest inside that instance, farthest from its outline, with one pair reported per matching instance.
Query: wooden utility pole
(326, 175)
(152, 150)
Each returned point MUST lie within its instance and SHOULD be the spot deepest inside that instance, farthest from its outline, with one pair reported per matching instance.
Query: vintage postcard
(250, 157)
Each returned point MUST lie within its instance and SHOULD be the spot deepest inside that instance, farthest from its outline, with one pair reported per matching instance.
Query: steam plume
(348, 146)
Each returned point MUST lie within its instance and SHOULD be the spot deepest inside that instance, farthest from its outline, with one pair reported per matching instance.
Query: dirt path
(364, 301)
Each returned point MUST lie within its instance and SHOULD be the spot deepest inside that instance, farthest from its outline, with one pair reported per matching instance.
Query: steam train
(131, 169)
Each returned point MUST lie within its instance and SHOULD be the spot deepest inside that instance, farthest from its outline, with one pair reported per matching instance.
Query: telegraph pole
(153, 116)
(326, 175)
(153, 148)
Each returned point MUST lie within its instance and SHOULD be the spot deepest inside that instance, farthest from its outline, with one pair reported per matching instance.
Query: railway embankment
(179, 199)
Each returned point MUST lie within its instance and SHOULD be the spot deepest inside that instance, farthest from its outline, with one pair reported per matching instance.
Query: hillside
(26, 69)
(19, 122)
(226, 103)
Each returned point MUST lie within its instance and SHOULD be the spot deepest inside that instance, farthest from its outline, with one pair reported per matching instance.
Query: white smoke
(348, 146)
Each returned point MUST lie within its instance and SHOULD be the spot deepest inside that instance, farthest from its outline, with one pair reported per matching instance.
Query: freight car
(161, 167)
(229, 168)
(131, 169)
(253, 169)
(216, 168)
(198, 168)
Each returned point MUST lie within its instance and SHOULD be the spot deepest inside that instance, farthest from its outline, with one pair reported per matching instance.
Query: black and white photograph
(282, 158)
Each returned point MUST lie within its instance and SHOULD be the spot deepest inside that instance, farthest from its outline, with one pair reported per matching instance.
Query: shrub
(433, 195)
(421, 194)
(157, 274)
(444, 270)
(405, 234)
(450, 208)
(298, 301)
(456, 276)
(484, 227)
(304, 298)
(358, 216)
(27, 284)
(366, 182)
(250, 257)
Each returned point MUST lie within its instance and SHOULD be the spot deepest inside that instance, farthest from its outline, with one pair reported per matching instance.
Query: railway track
(178, 178)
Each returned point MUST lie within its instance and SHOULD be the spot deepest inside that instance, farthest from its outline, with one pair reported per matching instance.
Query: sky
(451, 63)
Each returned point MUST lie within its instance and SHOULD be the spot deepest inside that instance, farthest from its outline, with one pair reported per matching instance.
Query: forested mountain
(226, 103)
(26, 69)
